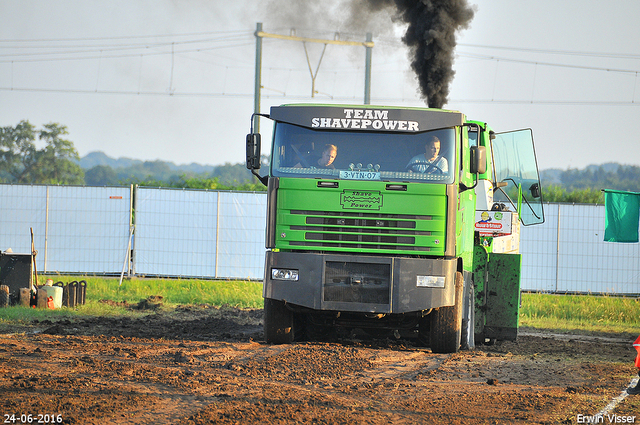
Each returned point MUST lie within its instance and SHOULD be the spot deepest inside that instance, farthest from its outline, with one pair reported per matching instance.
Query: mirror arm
(260, 115)
(253, 157)
(499, 184)
(464, 187)
(263, 179)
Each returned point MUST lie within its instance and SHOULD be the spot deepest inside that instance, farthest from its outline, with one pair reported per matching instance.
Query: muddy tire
(278, 322)
(424, 326)
(4, 296)
(446, 323)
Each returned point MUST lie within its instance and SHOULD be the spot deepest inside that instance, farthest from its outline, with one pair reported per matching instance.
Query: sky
(174, 80)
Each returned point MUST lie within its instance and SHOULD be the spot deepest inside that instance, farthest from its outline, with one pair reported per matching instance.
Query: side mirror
(253, 151)
(535, 190)
(478, 158)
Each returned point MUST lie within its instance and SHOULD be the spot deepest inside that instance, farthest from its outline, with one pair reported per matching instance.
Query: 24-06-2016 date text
(32, 419)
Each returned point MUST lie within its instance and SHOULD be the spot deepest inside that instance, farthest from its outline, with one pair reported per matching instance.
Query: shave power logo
(358, 199)
(365, 119)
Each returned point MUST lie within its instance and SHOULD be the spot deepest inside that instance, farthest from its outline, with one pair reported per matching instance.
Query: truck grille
(357, 282)
(360, 230)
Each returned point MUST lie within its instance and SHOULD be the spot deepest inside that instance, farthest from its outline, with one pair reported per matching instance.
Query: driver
(431, 161)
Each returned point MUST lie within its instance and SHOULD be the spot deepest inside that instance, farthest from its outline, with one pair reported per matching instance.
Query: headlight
(284, 274)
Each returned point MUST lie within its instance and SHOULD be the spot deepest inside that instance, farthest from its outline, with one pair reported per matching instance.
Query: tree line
(58, 162)
(160, 174)
(22, 162)
(586, 185)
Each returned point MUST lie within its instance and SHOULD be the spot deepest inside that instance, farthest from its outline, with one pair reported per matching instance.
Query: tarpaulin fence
(175, 232)
(567, 253)
(195, 233)
(76, 229)
(218, 234)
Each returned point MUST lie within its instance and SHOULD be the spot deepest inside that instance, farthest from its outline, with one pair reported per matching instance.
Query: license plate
(359, 175)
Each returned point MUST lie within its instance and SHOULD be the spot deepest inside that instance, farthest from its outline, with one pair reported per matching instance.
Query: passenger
(329, 154)
(431, 161)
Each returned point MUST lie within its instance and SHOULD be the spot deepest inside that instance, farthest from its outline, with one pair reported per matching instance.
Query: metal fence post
(558, 249)
(217, 232)
(133, 202)
(128, 258)
(46, 230)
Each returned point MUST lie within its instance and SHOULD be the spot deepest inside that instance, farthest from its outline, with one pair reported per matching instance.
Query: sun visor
(365, 118)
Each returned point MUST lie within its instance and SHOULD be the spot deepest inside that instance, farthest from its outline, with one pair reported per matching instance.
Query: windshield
(357, 155)
(515, 164)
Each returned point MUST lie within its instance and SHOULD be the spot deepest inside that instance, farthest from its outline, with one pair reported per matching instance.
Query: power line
(96, 47)
(233, 37)
(549, 102)
(128, 92)
(306, 97)
(556, 52)
(76, 51)
(560, 65)
(124, 37)
(94, 54)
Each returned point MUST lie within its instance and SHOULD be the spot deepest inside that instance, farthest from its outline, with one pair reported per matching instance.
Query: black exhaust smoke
(430, 35)
(431, 38)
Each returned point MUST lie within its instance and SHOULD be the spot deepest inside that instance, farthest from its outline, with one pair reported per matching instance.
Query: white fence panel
(538, 246)
(195, 233)
(585, 263)
(176, 232)
(23, 207)
(242, 232)
(88, 229)
(76, 229)
(210, 234)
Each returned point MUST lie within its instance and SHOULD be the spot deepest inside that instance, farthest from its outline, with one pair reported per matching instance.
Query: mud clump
(153, 302)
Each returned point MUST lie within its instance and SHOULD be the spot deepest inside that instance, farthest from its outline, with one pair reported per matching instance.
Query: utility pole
(258, 79)
(367, 70)
(368, 44)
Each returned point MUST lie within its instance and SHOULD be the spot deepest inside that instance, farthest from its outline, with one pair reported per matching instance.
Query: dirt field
(200, 364)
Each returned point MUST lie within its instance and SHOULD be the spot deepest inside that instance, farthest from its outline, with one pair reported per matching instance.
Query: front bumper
(371, 284)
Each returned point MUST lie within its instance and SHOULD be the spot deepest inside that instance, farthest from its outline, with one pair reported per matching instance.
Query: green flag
(622, 211)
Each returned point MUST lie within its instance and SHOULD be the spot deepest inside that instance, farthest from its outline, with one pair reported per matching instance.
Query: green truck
(394, 221)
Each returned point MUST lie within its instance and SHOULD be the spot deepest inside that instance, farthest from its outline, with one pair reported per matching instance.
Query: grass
(174, 292)
(565, 313)
(243, 294)
(593, 313)
(23, 315)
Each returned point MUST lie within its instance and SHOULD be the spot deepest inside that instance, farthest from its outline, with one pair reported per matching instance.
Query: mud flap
(497, 288)
(503, 296)
(468, 314)
(480, 260)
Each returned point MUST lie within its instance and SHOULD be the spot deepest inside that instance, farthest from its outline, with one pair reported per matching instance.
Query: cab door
(517, 180)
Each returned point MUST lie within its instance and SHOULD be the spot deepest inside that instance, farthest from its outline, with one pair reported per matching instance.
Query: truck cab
(372, 222)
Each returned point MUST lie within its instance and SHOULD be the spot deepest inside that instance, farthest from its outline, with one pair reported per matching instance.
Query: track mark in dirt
(305, 363)
(404, 365)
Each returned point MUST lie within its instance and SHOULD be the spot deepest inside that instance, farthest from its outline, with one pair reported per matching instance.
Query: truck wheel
(278, 322)
(424, 326)
(446, 323)
(4, 296)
